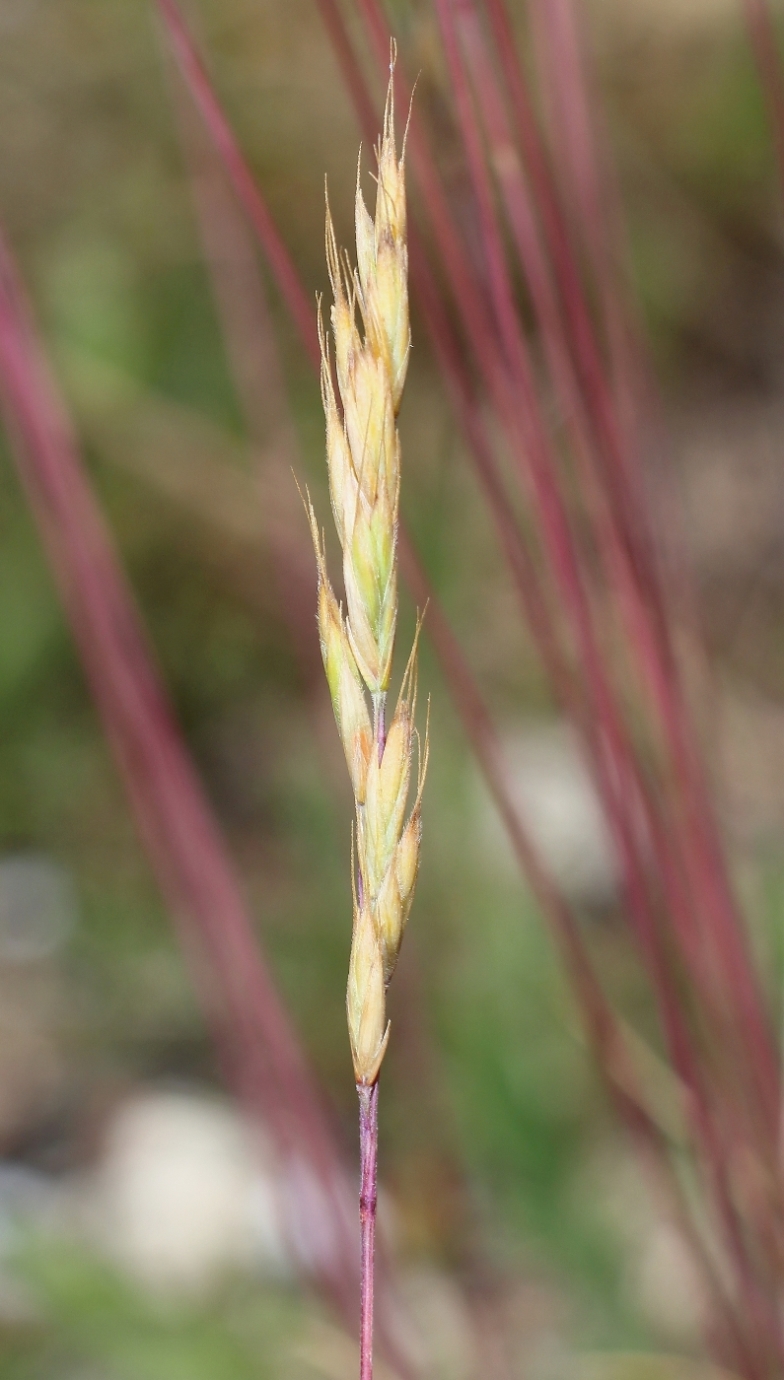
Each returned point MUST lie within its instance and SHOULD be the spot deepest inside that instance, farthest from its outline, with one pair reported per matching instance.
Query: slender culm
(371, 340)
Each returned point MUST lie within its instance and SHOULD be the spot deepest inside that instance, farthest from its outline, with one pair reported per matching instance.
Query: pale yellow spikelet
(407, 859)
(365, 232)
(348, 700)
(370, 422)
(345, 686)
(388, 912)
(385, 801)
(342, 314)
(343, 487)
(364, 468)
(382, 258)
(370, 578)
(365, 999)
(396, 891)
(363, 458)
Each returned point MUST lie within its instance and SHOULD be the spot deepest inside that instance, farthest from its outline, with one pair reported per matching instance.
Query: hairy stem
(368, 1155)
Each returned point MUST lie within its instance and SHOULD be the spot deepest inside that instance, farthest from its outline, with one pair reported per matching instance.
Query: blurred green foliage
(92, 1322)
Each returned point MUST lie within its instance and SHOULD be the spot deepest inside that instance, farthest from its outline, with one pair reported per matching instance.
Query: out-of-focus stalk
(260, 1051)
(765, 42)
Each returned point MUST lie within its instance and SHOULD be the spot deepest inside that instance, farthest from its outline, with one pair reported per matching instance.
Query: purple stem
(368, 1160)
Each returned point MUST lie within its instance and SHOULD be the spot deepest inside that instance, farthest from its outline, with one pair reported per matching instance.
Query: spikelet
(382, 259)
(368, 1028)
(345, 686)
(363, 459)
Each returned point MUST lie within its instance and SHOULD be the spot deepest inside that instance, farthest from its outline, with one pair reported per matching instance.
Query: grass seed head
(363, 458)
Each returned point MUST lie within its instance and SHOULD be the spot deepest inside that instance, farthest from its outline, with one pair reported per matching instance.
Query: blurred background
(139, 1226)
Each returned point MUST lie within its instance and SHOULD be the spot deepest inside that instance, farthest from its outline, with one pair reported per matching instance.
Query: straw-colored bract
(370, 332)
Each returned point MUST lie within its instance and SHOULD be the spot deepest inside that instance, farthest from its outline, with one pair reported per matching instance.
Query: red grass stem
(368, 1195)
(198, 83)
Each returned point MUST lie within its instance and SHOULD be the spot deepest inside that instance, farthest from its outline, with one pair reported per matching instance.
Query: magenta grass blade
(544, 484)
(607, 1040)
(530, 197)
(587, 179)
(350, 69)
(740, 982)
(622, 542)
(294, 295)
(248, 332)
(640, 574)
(569, 112)
(565, 257)
(588, 417)
(258, 1045)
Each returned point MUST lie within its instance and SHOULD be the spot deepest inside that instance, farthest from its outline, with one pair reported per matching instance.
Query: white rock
(561, 811)
(443, 1328)
(185, 1191)
(37, 908)
(668, 1288)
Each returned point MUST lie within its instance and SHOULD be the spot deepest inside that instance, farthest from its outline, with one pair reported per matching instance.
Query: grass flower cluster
(363, 456)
